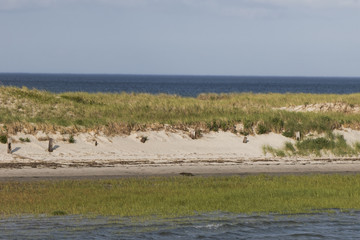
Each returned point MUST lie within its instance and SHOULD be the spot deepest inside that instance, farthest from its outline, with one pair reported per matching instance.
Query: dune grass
(180, 196)
(317, 146)
(121, 113)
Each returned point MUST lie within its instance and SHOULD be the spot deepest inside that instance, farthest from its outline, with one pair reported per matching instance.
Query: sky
(182, 37)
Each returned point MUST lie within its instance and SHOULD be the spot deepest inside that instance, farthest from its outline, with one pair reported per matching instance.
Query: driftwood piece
(51, 142)
(9, 146)
(186, 174)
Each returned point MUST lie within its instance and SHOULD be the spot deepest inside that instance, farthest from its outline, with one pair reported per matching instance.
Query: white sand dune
(160, 146)
(165, 153)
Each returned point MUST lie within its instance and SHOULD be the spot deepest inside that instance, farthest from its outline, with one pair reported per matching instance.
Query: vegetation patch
(262, 129)
(58, 213)
(180, 196)
(71, 139)
(24, 139)
(334, 144)
(35, 110)
(3, 139)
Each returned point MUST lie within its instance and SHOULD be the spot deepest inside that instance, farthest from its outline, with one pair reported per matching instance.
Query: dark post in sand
(9, 146)
(50, 148)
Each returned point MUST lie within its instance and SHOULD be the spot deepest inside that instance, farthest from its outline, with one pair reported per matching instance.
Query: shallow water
(336, 225)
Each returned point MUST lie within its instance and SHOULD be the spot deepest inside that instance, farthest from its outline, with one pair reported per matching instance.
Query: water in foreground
(334, 225)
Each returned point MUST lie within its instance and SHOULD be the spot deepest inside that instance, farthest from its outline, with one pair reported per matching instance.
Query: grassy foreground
(179, 196)
(32, 110)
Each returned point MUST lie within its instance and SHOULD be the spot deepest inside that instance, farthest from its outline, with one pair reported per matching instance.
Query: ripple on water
(337, 225)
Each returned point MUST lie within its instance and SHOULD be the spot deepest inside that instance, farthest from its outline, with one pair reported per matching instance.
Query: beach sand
(164, 153)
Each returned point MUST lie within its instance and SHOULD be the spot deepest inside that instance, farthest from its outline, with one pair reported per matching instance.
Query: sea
(333, 224)
(189, 86)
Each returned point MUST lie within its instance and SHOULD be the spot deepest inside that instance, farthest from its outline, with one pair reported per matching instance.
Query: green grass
(335, 144)
(120, 113)
(24, 139)
(274, 151)
(180, 196)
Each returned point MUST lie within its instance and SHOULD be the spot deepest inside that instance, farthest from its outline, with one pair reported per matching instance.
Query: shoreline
(199, 169)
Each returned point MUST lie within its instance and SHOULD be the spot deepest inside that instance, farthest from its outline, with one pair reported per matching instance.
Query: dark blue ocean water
(180, 85)
(335, 225)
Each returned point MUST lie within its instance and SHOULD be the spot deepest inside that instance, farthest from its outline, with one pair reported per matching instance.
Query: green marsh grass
(181, 196)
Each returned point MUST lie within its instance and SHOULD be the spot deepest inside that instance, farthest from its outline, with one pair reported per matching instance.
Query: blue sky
(202, 37)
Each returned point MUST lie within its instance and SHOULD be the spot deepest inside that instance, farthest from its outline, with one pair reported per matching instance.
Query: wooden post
(297, 134)
(9, 146)
(193, 134)
(50, 148)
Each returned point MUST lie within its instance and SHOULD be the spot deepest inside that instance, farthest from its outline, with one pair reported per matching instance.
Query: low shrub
(24, 140)
(71, 139)
(262, 129)
(289, 134)
(3, 139)
(315, 145)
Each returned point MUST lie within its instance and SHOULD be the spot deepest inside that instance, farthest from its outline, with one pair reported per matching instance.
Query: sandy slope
(161, 146)
(164, 153)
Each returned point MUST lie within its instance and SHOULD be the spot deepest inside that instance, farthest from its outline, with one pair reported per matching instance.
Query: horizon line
(183, 75)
